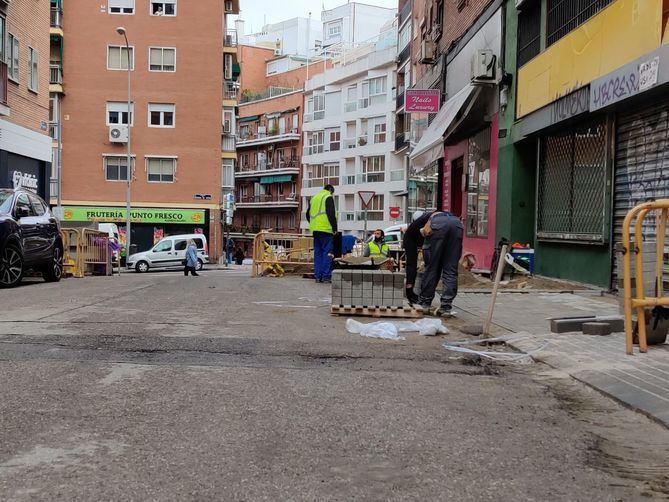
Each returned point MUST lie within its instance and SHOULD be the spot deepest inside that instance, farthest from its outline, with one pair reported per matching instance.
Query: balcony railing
(270, 92)
(313, 149)
(274, 135)
(349, 143)
(347, 216)
(228, 143)
(401, 142)
(371, 215)
(399, 100)
(397, 175)
(230, 90)
(53, 130)
(56, 18)
(268, 199)
(56, 75)
(3, 83)
(404, 13)
(265, 166)
(230, 38)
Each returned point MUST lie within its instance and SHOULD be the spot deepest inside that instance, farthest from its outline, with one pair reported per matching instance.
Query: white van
(170, 252)
(393, 236)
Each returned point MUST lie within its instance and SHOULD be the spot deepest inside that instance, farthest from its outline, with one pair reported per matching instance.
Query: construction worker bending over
(442, 248)
(322, 218)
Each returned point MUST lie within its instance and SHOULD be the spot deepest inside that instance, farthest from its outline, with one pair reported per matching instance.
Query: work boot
(411, 296)
(442, 312)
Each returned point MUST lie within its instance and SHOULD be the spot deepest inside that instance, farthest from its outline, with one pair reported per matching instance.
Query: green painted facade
(516, 188)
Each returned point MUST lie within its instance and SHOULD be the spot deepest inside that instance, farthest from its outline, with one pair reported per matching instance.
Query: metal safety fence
(87, 252)
(638, 299)
(277, 254)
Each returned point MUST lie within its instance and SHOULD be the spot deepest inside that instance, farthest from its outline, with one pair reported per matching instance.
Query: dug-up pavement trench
(154, 387)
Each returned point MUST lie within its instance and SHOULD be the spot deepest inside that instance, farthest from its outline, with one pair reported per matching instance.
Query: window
(33, 70)
(373, 169)
(3, 49)
(564, 16)
(228, 122)
(180, 245)
(319, 105)
(227, 66)
(162, 59)
(162, 247)
(23, 206)
(121, 6)
(320, 175)
(572, 186)
(529, 32)
(404, 36)
(380, 132)
(161, 115)
(116, 168)
(335, 141)
(272, 68)
(314, 143)
(161, 170)
(228, 173)
(164, 8)
(334, 29)
(375, 210)
(117, 58)
(478, 184)
(38, 207)
(117, 113)
(13, 58)
(377, 90)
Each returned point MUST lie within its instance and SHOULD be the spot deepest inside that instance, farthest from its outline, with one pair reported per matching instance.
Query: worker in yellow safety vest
(322, 218)
(377, 248)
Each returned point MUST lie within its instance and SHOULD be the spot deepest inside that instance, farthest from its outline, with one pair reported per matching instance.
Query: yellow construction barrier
(640, 302)
(86, 252)
(275, 254)
(71, 238)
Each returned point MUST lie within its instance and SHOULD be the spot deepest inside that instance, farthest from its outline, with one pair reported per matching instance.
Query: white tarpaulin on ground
(430, 147)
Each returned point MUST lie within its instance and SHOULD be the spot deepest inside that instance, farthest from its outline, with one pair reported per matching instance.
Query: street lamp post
(121, 31)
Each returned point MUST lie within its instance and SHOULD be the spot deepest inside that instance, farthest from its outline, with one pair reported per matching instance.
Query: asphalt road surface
(223, 387)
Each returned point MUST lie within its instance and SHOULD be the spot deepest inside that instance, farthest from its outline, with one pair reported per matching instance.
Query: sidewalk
(640, 381)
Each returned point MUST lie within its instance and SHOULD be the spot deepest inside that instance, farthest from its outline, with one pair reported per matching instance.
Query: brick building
(25, 146)
(180, 139)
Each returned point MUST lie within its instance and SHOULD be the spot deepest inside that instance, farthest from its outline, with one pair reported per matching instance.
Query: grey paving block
(596, 328)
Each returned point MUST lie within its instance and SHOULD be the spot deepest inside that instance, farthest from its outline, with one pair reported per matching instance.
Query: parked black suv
(29, 238)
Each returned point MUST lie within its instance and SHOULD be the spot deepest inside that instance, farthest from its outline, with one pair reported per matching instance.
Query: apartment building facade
(178, 136)
(25, 146)
(586, 141)
(269, 143)
(354, 23)
(349, 141)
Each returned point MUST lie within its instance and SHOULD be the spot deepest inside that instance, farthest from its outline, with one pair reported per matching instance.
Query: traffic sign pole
(366, 197)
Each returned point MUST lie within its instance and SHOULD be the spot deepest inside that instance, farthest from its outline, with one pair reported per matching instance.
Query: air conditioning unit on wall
(427, 52)
(118, 134)
(483, 65)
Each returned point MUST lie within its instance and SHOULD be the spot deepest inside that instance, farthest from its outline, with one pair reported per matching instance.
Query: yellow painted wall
(622, 32)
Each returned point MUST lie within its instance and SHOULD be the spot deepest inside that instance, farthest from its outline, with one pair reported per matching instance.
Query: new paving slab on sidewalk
(640, 381)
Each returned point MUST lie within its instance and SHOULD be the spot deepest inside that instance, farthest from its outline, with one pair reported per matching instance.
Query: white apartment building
(299, 36)
(349, 141)
(354, 23)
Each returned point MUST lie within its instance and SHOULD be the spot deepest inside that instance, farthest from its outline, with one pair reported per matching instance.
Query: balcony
(230, 38)
(3, 84)
(271, 92)
(404, 54)
(349, 143)
(404, 13)
(230, 90)
(268, 139)
(56, 28)
(401, 142)
(56, 75)
(287, 167)
(268, 200)
(399, 100)
(228, 143)
(231, 6)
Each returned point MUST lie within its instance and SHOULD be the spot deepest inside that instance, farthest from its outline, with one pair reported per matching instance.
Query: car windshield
(5, 201)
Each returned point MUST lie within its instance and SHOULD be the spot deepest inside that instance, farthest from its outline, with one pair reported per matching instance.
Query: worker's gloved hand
(411, 296)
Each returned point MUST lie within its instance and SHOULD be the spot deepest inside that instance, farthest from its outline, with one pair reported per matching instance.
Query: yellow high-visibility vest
(318, 218)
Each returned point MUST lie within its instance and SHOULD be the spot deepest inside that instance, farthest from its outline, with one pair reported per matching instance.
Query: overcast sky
(258, 12)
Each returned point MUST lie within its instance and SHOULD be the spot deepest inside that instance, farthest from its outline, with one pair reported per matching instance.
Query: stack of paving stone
(367, 288)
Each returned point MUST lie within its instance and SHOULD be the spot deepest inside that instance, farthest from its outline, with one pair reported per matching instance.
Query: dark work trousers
(191, 270)
(323, 244)
(411, 252)
(444, 248)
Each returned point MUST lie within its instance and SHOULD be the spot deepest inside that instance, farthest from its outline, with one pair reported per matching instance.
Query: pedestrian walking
(191, 259)
(441, 233)
(322, 218)
(230, 250)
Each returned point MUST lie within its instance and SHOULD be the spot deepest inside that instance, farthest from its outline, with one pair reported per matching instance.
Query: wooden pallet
(404, 312)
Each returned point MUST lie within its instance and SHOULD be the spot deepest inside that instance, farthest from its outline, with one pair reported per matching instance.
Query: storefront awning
(431, 147)
(282, 178)
(248, 119)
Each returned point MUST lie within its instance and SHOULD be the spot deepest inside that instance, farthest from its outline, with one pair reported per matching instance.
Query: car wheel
(142, 267)
(54, 270)
(199, 265)
(11, 266)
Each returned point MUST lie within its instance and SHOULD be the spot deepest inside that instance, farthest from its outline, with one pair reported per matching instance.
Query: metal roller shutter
(642, 166)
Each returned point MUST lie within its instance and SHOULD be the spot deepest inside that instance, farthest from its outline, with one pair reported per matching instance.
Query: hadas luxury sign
(139, 215)
(422, 100)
